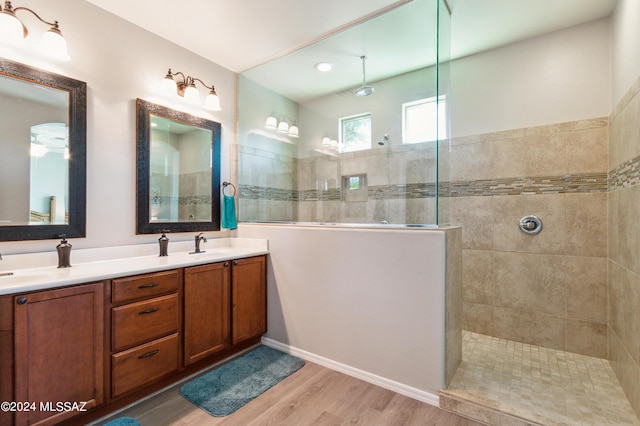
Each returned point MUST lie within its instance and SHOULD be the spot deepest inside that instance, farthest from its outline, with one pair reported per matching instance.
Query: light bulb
(11, 29)
(191, 94)
(326, 141)
(54, 45)
(294, 132)
(271, 123)
(168, 86)
(212, 102)
(283, 127)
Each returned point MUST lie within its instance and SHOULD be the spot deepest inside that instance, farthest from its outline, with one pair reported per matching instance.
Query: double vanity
(121, 323)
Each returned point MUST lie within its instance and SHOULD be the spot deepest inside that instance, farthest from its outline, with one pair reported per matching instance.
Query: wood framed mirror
(178, 167)
(43, 117)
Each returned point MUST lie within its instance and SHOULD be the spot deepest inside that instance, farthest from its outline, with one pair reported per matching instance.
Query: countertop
(89, 265)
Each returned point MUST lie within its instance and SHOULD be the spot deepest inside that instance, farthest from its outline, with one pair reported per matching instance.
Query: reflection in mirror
(178, 171)
(42, 154)
(180, 188)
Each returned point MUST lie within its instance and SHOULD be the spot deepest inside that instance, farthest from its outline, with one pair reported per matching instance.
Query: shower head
(364, 90)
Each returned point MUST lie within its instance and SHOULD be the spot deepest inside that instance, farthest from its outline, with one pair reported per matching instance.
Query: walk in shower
(538, 309)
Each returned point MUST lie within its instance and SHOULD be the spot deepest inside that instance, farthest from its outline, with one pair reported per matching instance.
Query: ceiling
(240, 35)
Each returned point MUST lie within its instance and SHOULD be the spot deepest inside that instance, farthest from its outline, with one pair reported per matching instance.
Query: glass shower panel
(351, 159)
(444, 111)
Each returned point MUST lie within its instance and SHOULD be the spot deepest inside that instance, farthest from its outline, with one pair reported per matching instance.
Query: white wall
(625, 47)
(370, 300)
(558, 77)
(120, 62)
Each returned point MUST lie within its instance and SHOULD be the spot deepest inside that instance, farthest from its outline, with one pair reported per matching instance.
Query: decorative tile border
(625, 175)
(568, 184)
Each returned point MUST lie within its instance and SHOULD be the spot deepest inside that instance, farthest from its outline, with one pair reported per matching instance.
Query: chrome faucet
(199, 237)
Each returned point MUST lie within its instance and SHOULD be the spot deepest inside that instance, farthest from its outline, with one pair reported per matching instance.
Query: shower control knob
(530, 225)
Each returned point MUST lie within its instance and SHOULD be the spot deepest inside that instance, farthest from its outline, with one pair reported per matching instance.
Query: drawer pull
(149, 285)
(149, 311)
(148, 354)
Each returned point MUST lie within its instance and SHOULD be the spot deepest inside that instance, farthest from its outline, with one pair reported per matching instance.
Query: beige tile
(478, 318)
(478, 276)
(476, 215)
(586, 224)
(629, 227)
(530, 327)
(453, 244)
(551, 211)
(453, 298)
(546, 155)
(587, 338)
(537, 385)
(471, 161)
(587, 151)
(530, 282)
(586, 279)
(613, 226)
(626, 370)
(624, 315)
(509, 158)
(417, 166)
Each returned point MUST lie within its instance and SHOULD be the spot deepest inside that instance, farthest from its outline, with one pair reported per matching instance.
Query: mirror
(178, 171)
(43, 119)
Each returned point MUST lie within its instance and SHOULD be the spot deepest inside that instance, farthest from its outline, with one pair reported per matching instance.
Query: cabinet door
(248, 298)
(206, 310)
(59, 345)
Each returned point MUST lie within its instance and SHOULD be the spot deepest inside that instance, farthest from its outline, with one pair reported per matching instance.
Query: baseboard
(400, 388)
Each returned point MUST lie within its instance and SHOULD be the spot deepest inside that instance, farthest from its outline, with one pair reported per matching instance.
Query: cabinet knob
(235, 262)
(22, 301)
(226, 264)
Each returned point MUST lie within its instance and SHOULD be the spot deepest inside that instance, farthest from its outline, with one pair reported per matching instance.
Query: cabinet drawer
(141, 322)
(141, 286)
(143, 364)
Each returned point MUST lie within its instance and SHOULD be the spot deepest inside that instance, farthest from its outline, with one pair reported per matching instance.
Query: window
(424, 120)
(355, 132)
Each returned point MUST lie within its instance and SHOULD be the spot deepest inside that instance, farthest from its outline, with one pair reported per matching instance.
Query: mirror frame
(76, 228)
(144, 110)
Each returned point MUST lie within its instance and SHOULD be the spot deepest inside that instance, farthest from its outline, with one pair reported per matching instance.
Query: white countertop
(98, 264)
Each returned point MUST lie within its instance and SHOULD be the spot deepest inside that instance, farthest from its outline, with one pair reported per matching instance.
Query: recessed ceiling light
(324, 66)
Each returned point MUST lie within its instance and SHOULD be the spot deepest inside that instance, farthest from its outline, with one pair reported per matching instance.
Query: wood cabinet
(249, 298)
(106, 344)
(206, 313)
(58, 351)
(145, 314)
(225, 304)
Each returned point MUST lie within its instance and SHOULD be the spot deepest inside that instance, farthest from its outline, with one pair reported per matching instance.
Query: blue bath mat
(123, 421)
(226, 389)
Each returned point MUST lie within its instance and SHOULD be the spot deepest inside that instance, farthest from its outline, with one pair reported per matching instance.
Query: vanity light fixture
(281, 126)
(13, 32)
(188, 90)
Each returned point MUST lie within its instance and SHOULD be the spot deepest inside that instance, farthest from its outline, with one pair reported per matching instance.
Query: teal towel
(229, 212)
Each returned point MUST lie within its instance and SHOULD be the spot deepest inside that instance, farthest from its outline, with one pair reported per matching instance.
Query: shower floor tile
(543, 386)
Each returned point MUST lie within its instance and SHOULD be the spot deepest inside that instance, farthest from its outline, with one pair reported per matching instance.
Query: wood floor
(314, 395)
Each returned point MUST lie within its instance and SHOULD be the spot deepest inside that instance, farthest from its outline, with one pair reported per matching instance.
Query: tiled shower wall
(548, 289)
(624, 243)
(400, 186)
